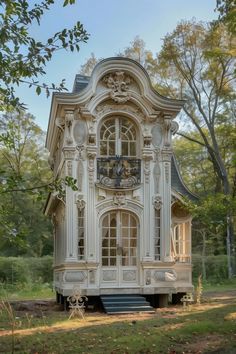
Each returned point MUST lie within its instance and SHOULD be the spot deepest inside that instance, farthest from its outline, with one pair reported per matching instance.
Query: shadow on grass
(204, 329)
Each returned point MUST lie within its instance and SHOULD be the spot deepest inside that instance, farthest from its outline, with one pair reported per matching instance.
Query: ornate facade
(123, 230)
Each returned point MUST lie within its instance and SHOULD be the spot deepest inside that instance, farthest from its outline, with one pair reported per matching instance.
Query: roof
(81, 81)
(177, 182)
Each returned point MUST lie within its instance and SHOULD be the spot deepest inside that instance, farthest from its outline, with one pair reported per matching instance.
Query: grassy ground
(206, 328)
(26, 292)
(44, 291)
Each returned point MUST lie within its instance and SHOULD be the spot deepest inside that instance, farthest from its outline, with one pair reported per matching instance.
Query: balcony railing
(119, 172)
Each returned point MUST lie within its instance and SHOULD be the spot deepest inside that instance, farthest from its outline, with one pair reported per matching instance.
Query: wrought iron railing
(119, 171)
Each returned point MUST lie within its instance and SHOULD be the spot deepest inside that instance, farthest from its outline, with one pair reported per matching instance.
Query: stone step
(125, 304)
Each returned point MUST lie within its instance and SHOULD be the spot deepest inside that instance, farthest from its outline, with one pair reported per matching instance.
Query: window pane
(124, 149)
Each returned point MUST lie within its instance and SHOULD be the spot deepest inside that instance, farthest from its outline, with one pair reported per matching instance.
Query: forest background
(196, 63)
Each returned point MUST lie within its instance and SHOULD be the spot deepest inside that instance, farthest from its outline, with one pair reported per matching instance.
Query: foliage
(24, 178)
(216, 268)
(27, 270)
(227, 13)
(23, 57)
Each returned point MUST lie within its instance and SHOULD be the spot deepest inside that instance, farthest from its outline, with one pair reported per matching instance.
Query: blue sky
(112, 25)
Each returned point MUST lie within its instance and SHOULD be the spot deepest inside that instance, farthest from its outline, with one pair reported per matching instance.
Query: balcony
(119, 172)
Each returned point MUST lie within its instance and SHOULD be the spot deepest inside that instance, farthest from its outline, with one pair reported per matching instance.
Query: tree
(227, 13)
(23, 58)
(88, 66)
(210, 223)
(136, 51)
(25, 176)
(192, 67)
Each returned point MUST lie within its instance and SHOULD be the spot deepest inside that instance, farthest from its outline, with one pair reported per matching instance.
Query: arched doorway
(119, 248)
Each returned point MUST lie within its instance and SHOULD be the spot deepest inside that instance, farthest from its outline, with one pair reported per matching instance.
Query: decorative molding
(167, 172)
(166, 155)
(165, 275)
(69, 140)
(80, 174)
(148, 278)
(92, 138)
(60, 123)
(91, 154)
(157, 135)
(109, 275)
(101, 194)
(75, 276)
(129, 275)
(174, 127)
(80, 132)
(119, 83)
(69, 117)
(147, 157)
(167, 126)
(157, 202)
(69, 168)
(157, 172)
(147, 139)
(68, 153)
(119, 199)
(106, 205)
(92, 276)
(136, 194)
(102, 109)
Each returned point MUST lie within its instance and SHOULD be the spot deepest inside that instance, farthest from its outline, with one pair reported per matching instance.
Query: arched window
(118, 166)
(118, 137)
(119, 239)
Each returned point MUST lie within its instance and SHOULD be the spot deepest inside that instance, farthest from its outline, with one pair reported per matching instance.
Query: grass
(26, 291)
(206, 328)
(225, 285)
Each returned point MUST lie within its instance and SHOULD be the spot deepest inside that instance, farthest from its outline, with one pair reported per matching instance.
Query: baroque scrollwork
(119, 83)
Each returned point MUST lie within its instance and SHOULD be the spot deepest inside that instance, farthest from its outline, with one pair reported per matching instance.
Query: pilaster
(91, 215)
(147, 234)
(71, 236)
(166, 155)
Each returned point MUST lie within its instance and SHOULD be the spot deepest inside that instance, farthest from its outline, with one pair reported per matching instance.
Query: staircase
(114, 304)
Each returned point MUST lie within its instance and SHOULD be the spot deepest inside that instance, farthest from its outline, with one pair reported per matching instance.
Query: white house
(123, 231)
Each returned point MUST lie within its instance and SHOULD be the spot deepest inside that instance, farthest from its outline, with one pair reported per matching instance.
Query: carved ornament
(119, 199)
(80, 202)
(60, 123)
(80, 132)
(109, 275)
(157, 202)
(129, 275)
(107, 108)
(69, 168)
(119, 83)
(68, 153)
(174, 127)
(69, 117)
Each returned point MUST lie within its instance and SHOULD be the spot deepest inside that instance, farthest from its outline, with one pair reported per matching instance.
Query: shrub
(15, 270)
(216, 267)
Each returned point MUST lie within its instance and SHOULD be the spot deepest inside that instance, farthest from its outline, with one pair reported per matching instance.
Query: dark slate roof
(81, 81)
(177, 183)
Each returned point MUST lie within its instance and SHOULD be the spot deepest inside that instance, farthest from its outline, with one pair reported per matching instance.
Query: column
(91, 214)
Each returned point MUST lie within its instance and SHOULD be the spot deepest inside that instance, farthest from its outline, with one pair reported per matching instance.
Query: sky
(112, 25)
